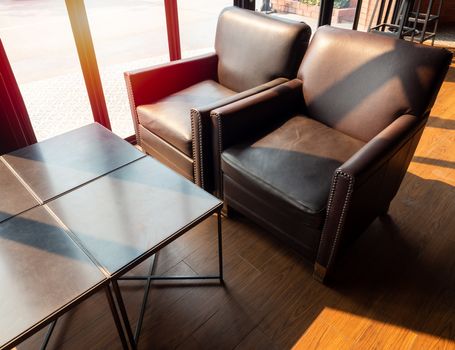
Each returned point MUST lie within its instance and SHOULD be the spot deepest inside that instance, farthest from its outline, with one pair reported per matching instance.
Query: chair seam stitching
(134, 110)
(220, 143)
(343, 211)
(201, 167)
(193, 142)
(196, 122)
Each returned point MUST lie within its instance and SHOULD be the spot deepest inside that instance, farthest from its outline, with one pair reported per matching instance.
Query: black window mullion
(325, 16)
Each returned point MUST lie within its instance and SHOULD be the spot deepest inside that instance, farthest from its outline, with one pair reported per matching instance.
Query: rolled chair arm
(238, 121)
(375, 172)
(381, 148)
(148, 85)
(202, 135)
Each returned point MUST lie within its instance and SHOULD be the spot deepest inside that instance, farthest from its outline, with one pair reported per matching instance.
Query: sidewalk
(127, 34)
(60, 103)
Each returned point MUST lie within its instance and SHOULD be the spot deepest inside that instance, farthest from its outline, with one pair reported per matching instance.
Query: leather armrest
(202, 134)
(364, 184)
(148, 85)
(240, 120)
(240, 96)
(381, 148)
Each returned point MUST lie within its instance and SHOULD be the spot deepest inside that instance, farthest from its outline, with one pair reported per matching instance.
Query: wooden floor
(395, 288)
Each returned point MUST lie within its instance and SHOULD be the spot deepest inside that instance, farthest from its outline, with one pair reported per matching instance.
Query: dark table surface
(42, 270)
(132, 212)
(14, 197)
(62, 163)
(76, 210)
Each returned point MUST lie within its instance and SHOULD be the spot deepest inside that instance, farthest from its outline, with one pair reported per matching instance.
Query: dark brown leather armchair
(317, 159)
(171, 103)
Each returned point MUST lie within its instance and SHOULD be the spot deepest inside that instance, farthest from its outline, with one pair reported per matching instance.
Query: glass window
(308, 11)
(127, 34)
(198, 19)
(343, 13)
(298, 10)
(40, 46)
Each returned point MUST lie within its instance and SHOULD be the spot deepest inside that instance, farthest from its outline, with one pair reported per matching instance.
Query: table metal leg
(220, 247)
(116, 317)
(150, 277)
(144, 301)
(48, 335)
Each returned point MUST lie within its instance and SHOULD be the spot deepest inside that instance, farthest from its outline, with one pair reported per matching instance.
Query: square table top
(42, 271)
(14, 196)
(76, 210)
(62, 163)
(130, 213)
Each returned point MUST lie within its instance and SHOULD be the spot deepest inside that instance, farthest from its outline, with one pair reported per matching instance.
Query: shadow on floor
(435, 162)
(450, 77)
(442, 123)
(405, 262)
(400, 272)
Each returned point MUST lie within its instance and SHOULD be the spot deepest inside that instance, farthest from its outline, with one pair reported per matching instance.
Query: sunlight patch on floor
(336, 329)
(434, 172)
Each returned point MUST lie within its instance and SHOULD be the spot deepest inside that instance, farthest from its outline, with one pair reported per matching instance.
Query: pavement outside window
(127, 34)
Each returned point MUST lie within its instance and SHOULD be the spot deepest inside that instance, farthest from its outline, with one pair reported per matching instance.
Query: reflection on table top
(14, 197)
(62, 163)
(132, 211)
(41, 271)
(77, 209)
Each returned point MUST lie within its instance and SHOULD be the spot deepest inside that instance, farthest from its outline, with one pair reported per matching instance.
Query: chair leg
(228, 211)
(384, 211)
(320, 273)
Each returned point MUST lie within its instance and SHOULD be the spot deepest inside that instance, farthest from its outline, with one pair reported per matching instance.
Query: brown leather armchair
(317, 159)
(171, 103)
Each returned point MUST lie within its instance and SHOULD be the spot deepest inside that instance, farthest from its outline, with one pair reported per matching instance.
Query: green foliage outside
(338, 4)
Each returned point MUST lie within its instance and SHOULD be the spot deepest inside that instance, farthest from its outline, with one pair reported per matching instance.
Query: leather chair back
(253, 48)
(347, 76)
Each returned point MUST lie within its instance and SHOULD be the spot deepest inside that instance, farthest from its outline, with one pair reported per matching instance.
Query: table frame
(129, 338)
(114, 298)
(134, 339)
(52, 319)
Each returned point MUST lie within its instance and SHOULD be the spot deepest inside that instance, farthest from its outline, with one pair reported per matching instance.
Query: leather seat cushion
(293, 165)
(170, 118)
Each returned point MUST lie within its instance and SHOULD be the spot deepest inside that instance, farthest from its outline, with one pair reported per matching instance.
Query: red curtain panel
(16, 130)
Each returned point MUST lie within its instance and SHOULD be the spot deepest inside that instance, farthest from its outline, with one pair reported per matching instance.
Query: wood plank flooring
(395, 288)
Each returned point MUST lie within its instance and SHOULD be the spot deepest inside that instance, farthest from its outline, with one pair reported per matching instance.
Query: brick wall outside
(312, 11)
